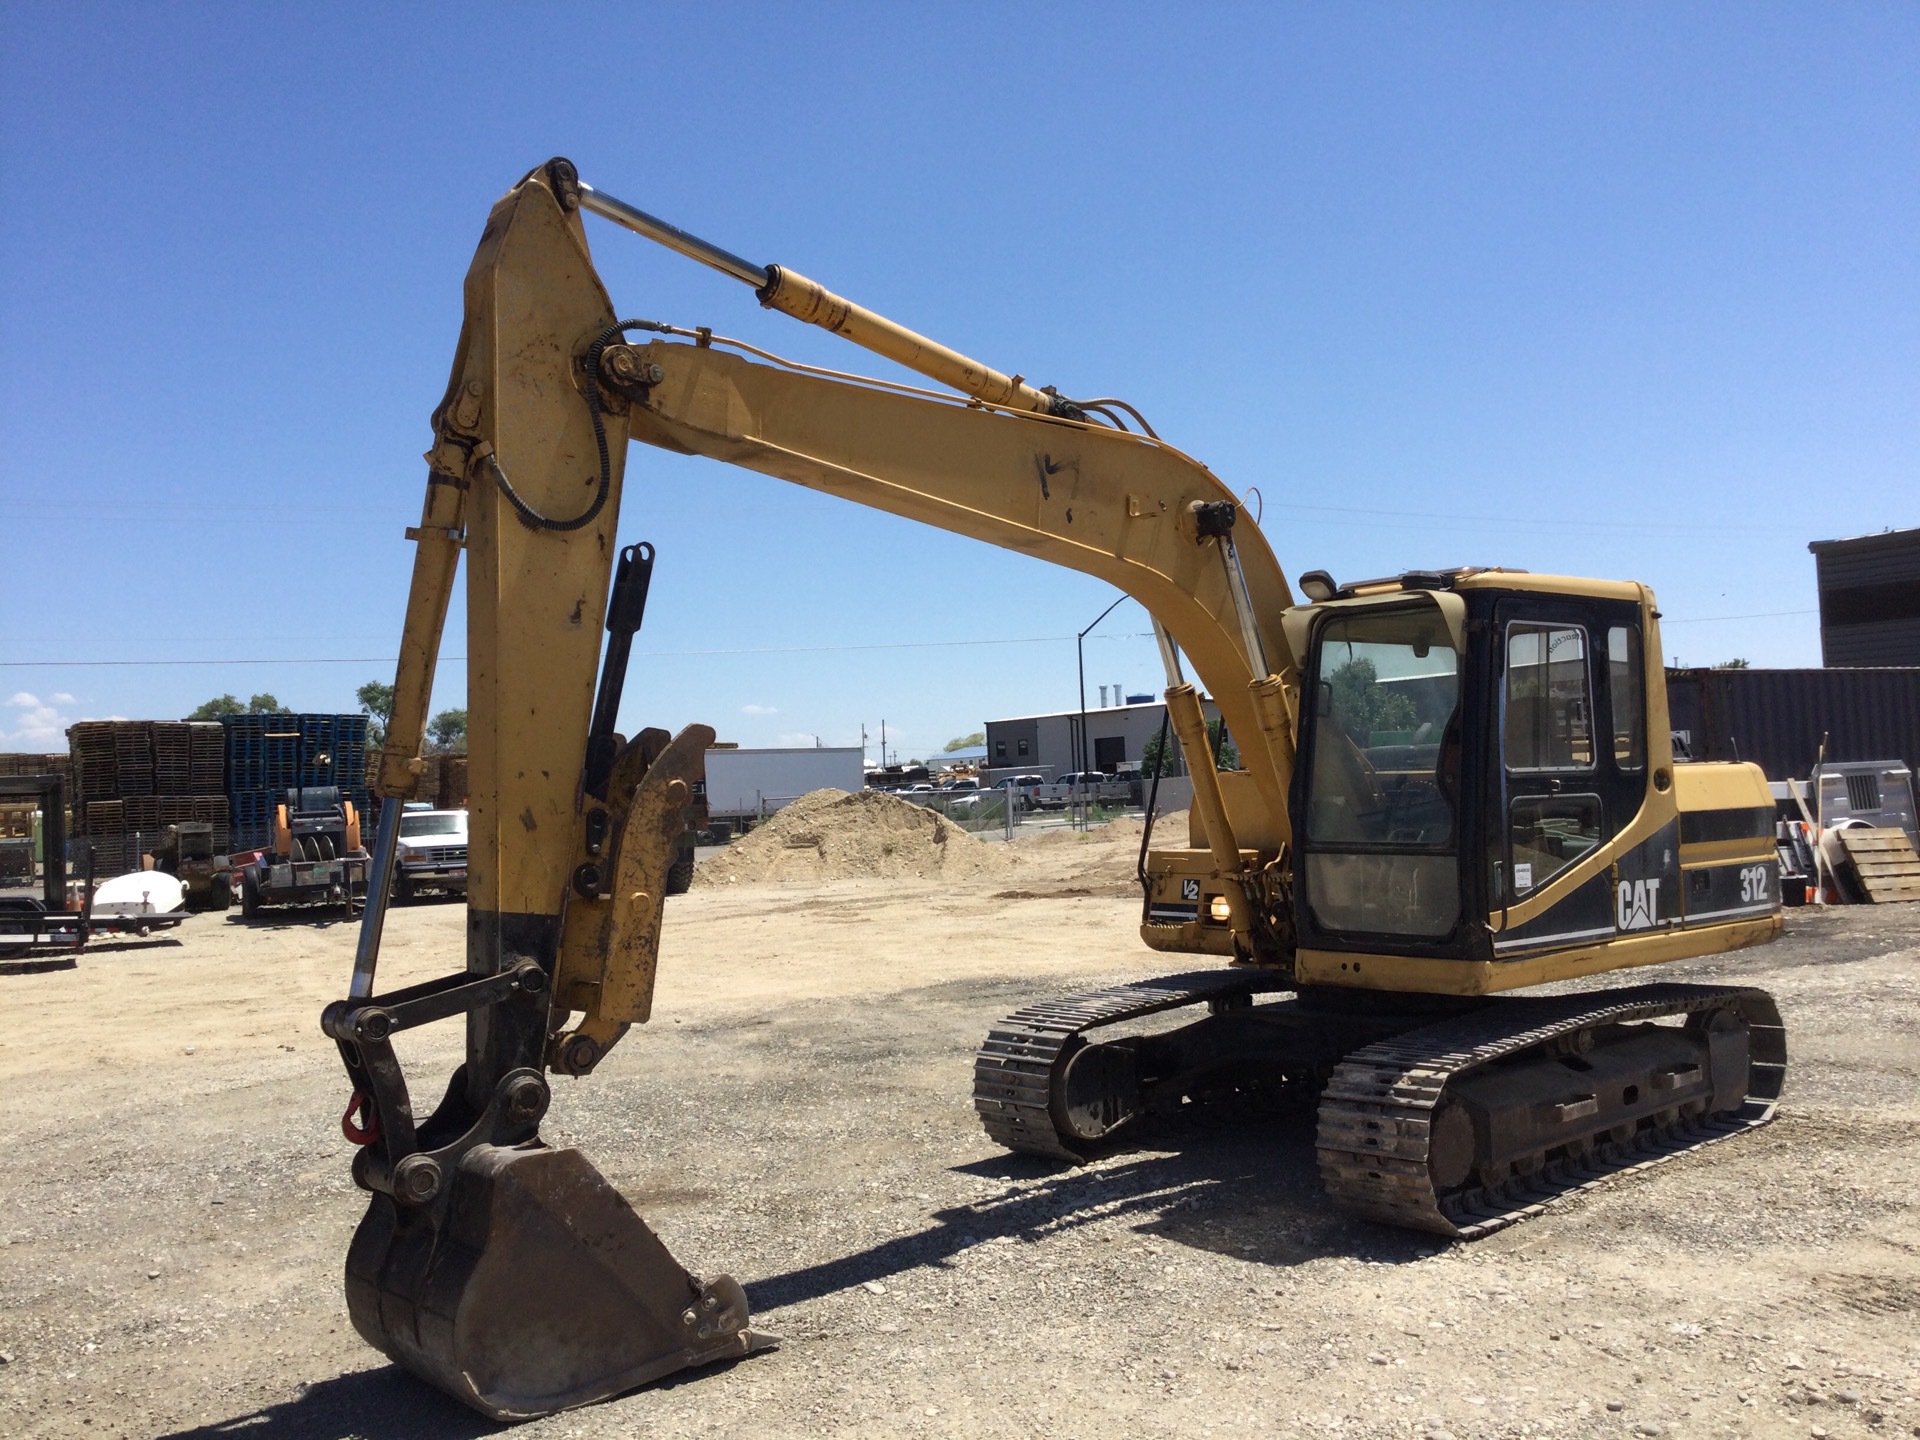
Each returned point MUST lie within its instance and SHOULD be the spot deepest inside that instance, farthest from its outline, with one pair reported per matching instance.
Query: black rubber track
(1375, 1112)
(1013, 1073)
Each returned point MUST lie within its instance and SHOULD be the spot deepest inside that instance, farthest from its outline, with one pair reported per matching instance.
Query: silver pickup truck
(1073, 789)
(432, 854)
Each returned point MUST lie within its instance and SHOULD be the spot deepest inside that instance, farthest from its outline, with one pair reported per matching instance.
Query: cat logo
(1637, 904)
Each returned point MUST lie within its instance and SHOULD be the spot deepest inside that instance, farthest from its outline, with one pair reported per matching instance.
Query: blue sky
(1626, 291)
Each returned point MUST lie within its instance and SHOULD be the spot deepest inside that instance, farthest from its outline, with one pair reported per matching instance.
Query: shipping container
(750, 783)
(1778, 718)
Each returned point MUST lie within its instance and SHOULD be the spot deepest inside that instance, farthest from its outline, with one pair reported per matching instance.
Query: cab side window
(1549, 706)
(1549, 733)
(1627, 697)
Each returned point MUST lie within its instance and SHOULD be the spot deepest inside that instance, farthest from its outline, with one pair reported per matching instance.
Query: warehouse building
(1117, 736)
(1870, 599)
(1787, 720)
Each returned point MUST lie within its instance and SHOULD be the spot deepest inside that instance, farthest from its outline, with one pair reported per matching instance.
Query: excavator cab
(1487, 796)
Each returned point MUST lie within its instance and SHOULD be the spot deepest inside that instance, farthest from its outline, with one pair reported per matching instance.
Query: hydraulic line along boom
(791, 292)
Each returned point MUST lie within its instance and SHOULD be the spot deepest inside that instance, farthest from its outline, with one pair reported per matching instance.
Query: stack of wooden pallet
(133, 778)
(1884, 862)
(452, 792)
(172, 758)
(133, 755)
(443, 782)
(206, 758)
(19, 765)
(96, 775)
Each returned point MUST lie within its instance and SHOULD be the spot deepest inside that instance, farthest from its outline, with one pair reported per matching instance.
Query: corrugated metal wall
(1870, 599)
(1777, 717)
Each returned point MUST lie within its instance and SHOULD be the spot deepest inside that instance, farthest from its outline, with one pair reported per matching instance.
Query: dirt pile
(1119, 836)
(833, 835)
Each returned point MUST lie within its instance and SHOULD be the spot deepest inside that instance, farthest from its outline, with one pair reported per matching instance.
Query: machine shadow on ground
(295, 918)
(382, 1404)
(1252, 1193)
(134, 945)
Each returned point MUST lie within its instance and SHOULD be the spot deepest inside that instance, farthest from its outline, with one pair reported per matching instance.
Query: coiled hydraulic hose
(531, 517)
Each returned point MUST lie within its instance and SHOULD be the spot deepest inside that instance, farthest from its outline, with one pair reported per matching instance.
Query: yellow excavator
(1451, 785)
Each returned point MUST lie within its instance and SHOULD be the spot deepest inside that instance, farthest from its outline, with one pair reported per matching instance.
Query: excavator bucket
(507, 1273)
(534, 1287)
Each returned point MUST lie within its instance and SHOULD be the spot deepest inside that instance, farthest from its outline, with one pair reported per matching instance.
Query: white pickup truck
(1075, 788)
(432, 854)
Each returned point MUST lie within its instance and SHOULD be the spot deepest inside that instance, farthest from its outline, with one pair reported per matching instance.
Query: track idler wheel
(524, 1284)
(1096, 1091)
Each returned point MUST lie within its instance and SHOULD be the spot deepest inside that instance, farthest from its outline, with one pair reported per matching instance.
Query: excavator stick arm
(510, 1274)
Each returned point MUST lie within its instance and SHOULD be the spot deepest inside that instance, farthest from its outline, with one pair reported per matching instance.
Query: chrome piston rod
(792, 293)
(671, 236)
(373, 919)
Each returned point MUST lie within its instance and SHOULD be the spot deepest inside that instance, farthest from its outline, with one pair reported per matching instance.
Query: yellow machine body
(1448, 785)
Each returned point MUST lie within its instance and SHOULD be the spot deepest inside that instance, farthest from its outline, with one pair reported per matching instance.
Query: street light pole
(1080, 650)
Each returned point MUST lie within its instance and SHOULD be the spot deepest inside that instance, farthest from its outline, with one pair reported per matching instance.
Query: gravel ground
(174, 1217)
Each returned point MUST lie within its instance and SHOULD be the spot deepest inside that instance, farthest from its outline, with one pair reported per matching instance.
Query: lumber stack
(131, 779)
(443, 781)
(16, 764)
(1884, 862)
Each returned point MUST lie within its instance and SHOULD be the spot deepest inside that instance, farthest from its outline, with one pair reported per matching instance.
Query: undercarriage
(1452, 1116)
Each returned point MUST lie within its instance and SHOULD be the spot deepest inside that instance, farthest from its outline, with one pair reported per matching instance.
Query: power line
(1755, 615)
(149, 664)
(714, 654)
(1521, 522)
(638, 654)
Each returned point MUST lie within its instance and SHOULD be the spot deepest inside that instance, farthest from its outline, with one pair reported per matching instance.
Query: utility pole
(1080, 649)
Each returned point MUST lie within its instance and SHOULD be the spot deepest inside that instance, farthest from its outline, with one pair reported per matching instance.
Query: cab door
(1571, 764)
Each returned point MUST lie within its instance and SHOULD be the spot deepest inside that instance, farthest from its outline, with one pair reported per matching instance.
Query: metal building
(1780, 718)
(1050, 744)
(1870, 599)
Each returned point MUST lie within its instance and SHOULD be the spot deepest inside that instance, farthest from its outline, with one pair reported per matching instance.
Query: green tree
(1225, 752)
(961, 742)
(1155, 755)
(1363, 705)
(377, 700)
(1161, 756)
(447, 733)
(1735, 664)
(229, 705)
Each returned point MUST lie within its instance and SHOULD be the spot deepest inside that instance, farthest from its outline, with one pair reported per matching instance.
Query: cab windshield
(1384, 774)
